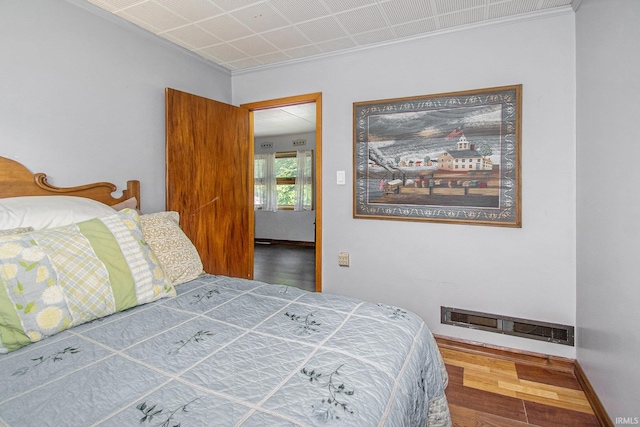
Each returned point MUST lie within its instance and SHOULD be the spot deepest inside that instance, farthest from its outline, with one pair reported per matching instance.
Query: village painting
(448, 158)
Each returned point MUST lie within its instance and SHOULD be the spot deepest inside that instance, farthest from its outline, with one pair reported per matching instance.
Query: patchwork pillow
(15, 231)
(54, 279)
(178, 256)
(42, 212)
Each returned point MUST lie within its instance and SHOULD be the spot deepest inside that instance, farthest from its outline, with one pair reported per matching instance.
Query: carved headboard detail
(16, 180)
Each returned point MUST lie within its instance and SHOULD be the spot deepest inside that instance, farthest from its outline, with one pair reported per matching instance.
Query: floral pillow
(177, 254)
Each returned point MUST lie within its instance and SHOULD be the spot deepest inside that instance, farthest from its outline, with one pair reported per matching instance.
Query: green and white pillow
(54, 279)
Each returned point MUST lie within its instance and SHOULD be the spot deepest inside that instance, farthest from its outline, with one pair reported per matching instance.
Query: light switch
(340, 178)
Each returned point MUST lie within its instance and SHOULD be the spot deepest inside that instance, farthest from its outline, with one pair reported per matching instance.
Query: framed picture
(452, 157)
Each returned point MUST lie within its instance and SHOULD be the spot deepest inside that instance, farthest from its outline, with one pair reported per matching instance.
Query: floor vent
(551, 332)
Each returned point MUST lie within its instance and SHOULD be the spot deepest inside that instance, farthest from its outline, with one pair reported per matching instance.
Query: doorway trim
(296, 100)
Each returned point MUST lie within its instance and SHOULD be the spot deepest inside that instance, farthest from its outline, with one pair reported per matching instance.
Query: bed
(176, 347)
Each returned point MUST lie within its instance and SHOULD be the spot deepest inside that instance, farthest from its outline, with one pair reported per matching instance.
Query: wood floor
(285, 264)
(496, 389)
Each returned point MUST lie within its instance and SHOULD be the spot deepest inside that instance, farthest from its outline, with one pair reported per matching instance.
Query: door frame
(296, 100)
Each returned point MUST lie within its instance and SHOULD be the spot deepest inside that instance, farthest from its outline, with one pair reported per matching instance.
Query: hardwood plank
(478, 362)
(456, 374)
(547, 376)
(551, 416)
(484, 401)
(465, 417)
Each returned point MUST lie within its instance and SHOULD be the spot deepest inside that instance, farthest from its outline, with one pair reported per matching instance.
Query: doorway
(303, 109)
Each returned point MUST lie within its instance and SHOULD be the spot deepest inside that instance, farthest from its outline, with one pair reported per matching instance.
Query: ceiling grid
(244, 34)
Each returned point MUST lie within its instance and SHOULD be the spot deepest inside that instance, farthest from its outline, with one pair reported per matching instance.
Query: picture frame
(450, 157)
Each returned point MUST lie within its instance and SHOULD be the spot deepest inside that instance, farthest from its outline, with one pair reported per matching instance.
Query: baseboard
(283, 242)
(592, 397)
(550, 362)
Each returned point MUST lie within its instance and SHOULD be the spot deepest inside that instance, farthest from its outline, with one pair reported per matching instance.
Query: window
(286, 169)
(286, 185)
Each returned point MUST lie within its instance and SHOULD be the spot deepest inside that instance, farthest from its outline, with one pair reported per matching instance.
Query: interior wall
(285, 224)
(527, 272)
(608, 235)
(82, 94)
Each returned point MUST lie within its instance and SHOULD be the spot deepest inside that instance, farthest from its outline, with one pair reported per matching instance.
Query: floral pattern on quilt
(232, 352)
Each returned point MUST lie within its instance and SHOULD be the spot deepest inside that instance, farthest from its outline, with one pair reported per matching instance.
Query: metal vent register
(544, 331)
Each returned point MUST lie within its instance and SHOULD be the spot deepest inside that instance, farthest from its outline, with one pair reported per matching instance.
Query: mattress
(232, 352)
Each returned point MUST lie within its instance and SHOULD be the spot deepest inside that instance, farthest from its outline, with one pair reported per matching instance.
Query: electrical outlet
(343, 259)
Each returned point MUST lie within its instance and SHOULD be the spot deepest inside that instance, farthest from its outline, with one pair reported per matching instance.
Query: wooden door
(209, 180)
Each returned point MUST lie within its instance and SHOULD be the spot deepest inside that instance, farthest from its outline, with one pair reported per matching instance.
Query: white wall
(527, 272)
(295, 226)
(82, 94)
(608, 295)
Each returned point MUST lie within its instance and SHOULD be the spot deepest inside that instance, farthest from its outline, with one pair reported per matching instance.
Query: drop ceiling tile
(322, 29)
(177, 41)
(260, 17)
(194, 36)
(228, 5)
(138, 22)
(555, 3)
(225, 27)
(499, 10)
(225, 52)
(209, 57)
(449, 6)
(285, 38)
(272, 58)
(415, 28)
(300, 10)
(403, 11)
(303, 52)
(254, 45)
(155, 16)
(377, 36)
(342, 5)
(336, 44)
(461, 18)
(362, 20)
(192, 10)
(245, 63)
(113, 5)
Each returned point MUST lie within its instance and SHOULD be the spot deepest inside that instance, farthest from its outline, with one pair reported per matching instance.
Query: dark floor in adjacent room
(285, 264)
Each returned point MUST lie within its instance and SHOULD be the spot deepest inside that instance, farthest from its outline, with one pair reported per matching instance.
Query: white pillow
(42, 212)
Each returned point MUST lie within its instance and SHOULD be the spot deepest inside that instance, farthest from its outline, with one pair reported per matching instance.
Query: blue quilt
(232, 352)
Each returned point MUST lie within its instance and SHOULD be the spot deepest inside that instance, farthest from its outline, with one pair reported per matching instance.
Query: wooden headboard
(16, 180)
